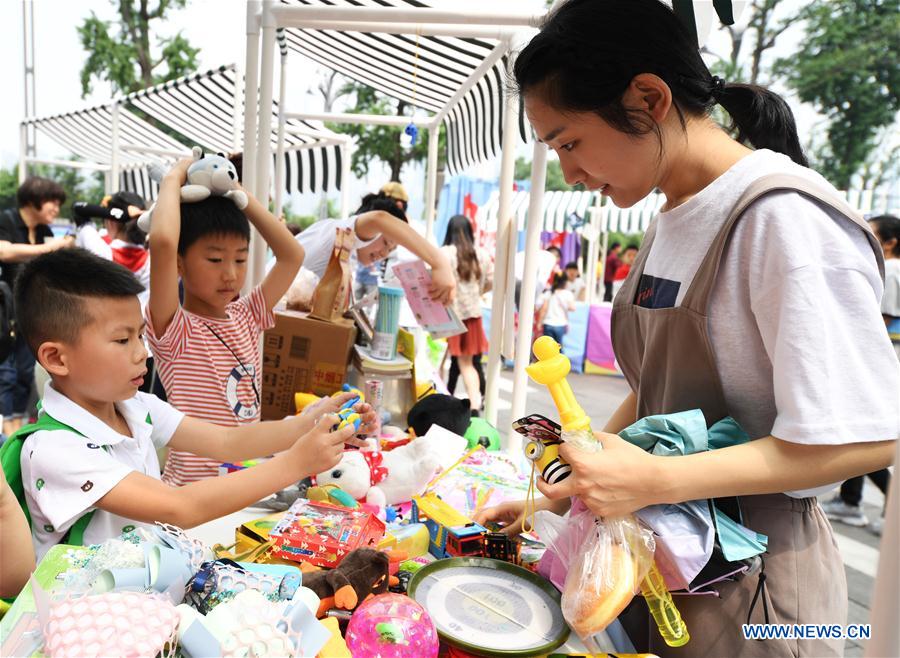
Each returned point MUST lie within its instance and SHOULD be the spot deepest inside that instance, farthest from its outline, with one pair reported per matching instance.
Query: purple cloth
(599, 338)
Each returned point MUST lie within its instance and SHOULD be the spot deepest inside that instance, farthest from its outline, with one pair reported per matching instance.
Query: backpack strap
(11, 460)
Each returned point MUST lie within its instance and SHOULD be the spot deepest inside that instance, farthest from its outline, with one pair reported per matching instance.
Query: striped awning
(424, 71)
(572, 211)
(87, 133)
(202, 107)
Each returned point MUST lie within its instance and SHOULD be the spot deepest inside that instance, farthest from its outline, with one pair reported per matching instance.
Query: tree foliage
(555, 178)
(382, 143)
(848, 66)
(127, 59)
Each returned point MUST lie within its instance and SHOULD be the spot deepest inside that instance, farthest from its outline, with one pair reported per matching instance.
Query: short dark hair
(37, 191)
(215, 215)
(50, 292)
(122, 200)
(571, 265)
(555, 249)
(381, 201)
(887, 228)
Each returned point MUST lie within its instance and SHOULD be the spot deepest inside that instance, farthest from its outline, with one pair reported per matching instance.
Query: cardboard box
(322, 534)
(302, 355)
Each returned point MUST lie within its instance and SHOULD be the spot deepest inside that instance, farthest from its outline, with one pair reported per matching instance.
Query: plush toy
(363, 573)
(208, 175)
(384, 478)
(437, 409)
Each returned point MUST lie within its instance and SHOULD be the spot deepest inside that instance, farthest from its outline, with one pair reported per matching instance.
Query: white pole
(236, 108)
(346, 157)
(23, 149)
(114, 148)
(264, 136)
(251, 96)
(74, 164)
(604, 246)
(279, 158)
(502, 259)
(373, 119)
(508, 349)
(431, 181)
(593, 248)
(527, 293)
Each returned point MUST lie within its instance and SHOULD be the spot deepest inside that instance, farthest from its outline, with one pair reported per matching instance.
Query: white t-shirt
(65, 474)
(318, 242)
(576, 287)
(890, 302)
(794, 317)
(559, 303)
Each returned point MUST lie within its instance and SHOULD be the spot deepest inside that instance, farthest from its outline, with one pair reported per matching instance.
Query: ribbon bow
(377, 472)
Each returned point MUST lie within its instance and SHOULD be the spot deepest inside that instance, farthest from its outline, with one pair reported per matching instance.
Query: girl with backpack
(754, 295)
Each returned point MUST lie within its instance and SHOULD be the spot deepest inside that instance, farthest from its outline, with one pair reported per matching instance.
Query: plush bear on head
(208, 175)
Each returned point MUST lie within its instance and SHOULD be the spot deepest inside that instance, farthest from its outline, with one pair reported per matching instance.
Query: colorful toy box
(322, 534)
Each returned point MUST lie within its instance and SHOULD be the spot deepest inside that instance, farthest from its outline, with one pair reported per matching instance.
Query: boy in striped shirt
(207, 348)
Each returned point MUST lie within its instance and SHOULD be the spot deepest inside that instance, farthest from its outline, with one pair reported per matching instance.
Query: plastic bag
(299, 295)
(604, 572)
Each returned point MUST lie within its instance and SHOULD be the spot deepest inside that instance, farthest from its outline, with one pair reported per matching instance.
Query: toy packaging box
(322, 534)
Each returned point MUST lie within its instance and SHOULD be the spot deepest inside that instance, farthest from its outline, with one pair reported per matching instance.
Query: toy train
(451, 534)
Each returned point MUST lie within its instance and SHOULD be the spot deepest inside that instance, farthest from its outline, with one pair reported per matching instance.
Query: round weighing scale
(489, 607)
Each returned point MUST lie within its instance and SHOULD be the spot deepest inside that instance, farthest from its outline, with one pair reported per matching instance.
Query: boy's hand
(443, 285)
(178, 172)
(320, 448)
(510, 515)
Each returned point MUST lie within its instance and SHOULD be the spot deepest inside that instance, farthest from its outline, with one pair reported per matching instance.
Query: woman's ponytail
(762, 118)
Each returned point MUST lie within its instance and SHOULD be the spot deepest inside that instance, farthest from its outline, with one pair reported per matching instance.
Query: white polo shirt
(65, 474)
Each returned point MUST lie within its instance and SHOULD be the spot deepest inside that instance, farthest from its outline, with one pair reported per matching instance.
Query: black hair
(555, 249)
(215, 215)
(459, 234)
(122, 200)
(631, 246)
(559, 281)
(588, 52)
(50, 292)
(571, 265)
(887, 228)
(381, 201)
(37, 191)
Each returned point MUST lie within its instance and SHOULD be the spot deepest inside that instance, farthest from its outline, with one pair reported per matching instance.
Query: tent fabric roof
(201, 107)
(88, 133)
(559, 206)
(424, 71)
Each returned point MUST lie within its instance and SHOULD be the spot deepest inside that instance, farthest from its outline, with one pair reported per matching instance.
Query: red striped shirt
(209, 378)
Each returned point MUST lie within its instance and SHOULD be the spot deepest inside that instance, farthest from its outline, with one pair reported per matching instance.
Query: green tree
(555, 178)
(382, 143)
(78, 185)
(848, 66)
(127, 59)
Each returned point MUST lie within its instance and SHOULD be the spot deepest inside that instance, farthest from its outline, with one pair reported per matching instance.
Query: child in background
(16, 552)
(207, 351)
(626, 258)
(554, 313)
(575, 283)
(81, 317)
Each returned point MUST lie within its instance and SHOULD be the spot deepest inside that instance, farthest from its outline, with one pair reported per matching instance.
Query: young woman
(762, 306)
(473, 270)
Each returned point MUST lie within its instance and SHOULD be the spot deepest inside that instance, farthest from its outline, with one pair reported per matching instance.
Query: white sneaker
(876, 526)
(838, 510)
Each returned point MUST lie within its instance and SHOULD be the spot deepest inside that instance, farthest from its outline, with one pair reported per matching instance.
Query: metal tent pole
(529, 288)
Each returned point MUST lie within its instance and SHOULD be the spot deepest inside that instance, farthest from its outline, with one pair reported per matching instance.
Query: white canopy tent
(340, 36)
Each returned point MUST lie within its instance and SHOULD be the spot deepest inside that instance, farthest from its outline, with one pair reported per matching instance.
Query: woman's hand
(443, 285)
(615, 481)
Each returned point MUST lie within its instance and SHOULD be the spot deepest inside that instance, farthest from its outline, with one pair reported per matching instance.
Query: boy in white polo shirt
(80, 315)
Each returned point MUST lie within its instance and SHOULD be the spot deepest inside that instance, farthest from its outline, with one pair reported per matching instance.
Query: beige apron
(667, 357)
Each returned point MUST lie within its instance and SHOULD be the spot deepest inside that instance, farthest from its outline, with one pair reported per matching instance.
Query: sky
(217, 27)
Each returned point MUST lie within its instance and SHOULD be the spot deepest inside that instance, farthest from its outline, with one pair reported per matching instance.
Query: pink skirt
(471, 343)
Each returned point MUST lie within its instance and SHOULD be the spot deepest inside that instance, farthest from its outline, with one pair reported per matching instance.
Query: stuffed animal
(437, 409)
(384, 478)
(208, 175)
(362, 574)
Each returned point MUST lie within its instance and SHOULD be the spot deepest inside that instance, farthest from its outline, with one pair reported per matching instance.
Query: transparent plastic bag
(299, 295)
(605, 572)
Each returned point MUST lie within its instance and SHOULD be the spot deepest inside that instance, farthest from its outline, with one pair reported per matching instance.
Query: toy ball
(391, 626)
(482, 433)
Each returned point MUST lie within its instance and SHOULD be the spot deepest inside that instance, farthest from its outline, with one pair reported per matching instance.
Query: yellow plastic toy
(551, 370)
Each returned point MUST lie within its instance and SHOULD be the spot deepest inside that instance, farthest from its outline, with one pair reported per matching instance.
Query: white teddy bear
(384, 478)
(208, 175)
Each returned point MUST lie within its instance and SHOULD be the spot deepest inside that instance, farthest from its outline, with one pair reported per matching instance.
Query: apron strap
(697, 296)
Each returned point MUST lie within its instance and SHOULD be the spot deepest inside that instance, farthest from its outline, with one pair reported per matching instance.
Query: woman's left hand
(615, 481)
